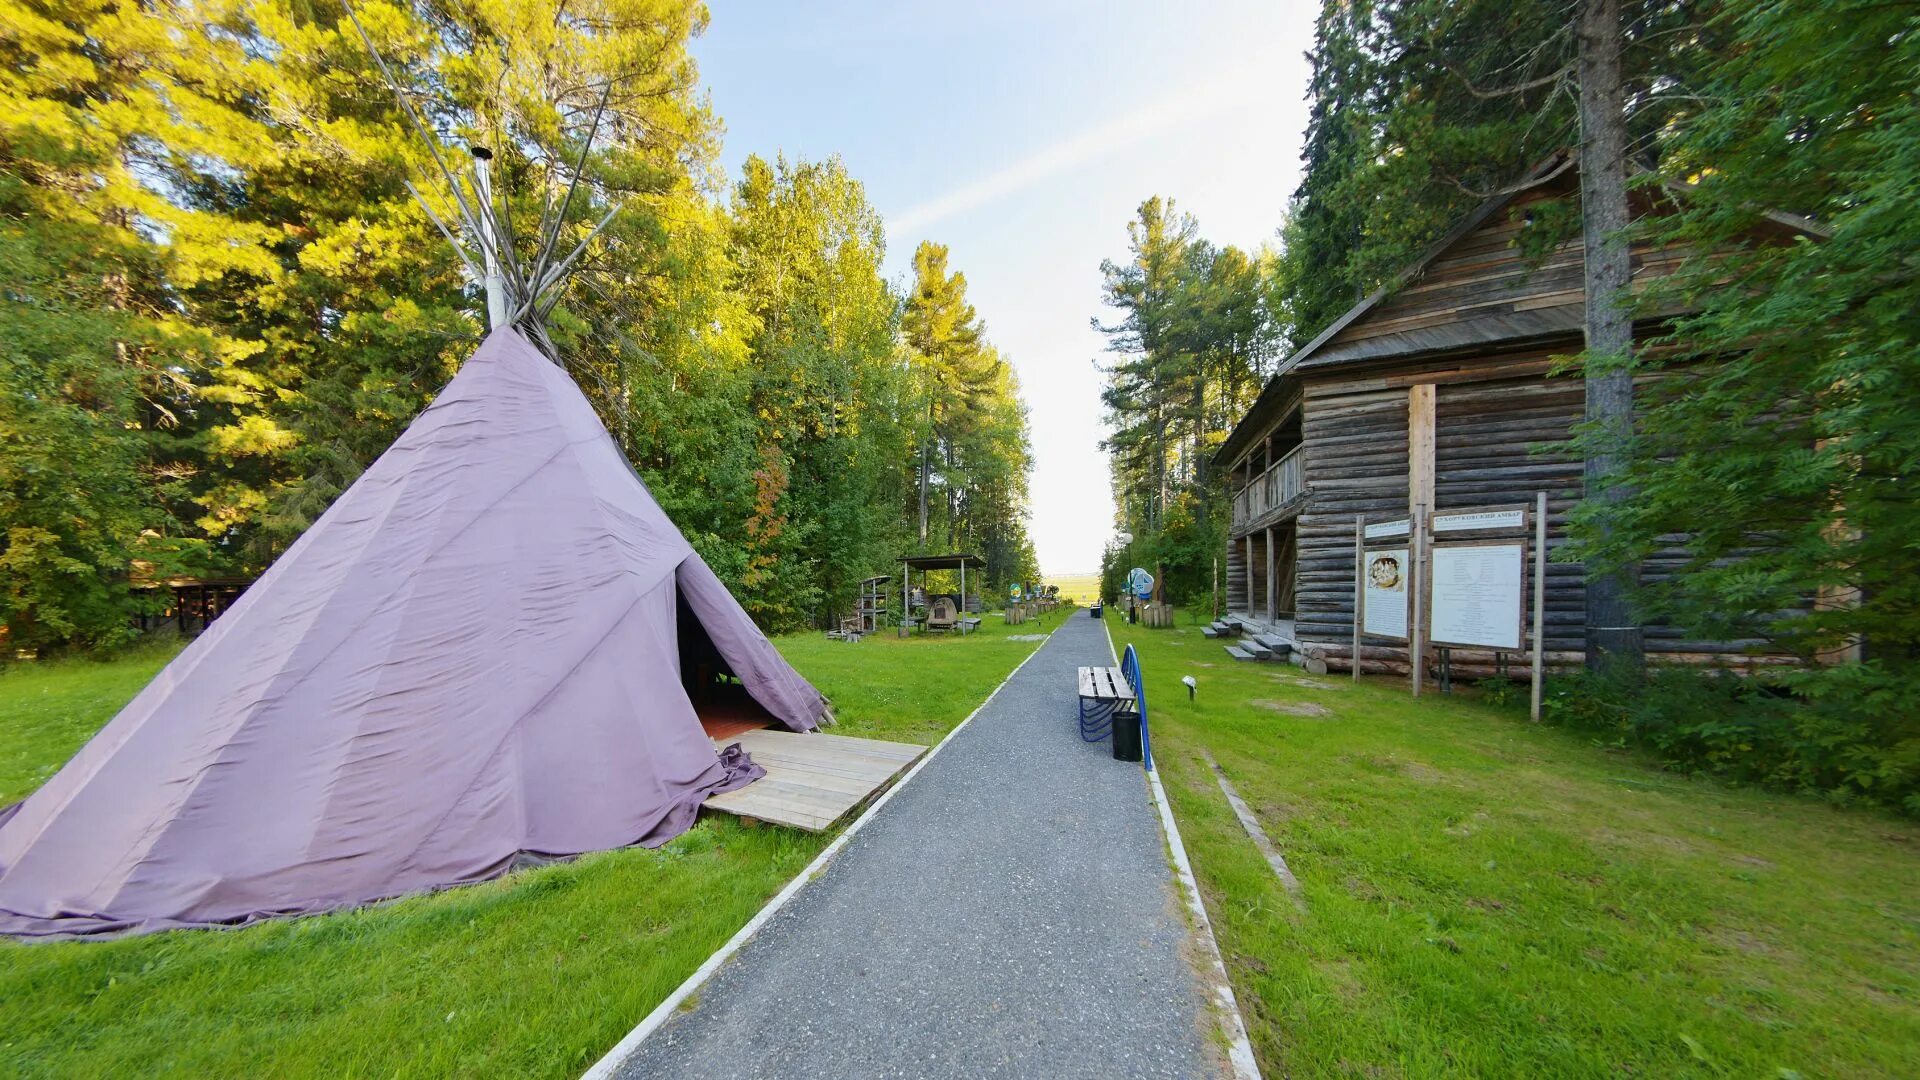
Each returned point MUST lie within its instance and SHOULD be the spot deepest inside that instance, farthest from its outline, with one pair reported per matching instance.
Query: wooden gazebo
(924, 564)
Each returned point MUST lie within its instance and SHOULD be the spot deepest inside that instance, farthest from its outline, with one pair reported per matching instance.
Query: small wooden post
(1539, 602)
(1359, 586)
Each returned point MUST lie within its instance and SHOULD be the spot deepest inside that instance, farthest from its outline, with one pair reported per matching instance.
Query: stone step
(1224, 629)
(1275, 644)
(1208, 631)
(1259, 651)
(1238, 653)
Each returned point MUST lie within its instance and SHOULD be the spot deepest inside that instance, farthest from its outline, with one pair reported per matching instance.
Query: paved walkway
(1010, 913)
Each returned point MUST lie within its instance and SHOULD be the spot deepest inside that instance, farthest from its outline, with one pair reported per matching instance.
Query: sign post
(1416, 645)
(1359, 591)
(1539, 602)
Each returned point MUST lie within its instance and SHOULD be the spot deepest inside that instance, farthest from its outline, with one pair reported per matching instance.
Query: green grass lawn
(536, 974)
(1485, 897)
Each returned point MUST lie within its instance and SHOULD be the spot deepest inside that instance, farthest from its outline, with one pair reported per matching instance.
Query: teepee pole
(490, 241)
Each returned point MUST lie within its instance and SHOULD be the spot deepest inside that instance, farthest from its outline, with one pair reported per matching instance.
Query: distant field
(1079, 588)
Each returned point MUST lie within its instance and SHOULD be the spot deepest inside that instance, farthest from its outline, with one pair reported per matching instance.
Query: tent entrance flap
(725, 707)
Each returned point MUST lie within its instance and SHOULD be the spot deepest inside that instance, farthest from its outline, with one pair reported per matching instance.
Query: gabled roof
(1257, 418)
(1487, 327)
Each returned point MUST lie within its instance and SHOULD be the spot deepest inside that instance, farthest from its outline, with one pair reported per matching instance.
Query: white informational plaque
(1384, 588)
(1513, 520)
(1476, 595)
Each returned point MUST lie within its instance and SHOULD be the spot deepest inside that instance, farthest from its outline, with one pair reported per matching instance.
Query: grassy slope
(1485, 897)
(536, 974)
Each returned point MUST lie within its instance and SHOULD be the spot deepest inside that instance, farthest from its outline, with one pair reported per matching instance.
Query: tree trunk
(1613, 639)
(923, 477)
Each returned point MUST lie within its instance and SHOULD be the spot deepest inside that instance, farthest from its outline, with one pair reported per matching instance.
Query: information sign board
(1384, 592)
(1476, 597)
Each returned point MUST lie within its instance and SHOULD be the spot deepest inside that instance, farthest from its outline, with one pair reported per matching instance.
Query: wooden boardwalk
(812, 780)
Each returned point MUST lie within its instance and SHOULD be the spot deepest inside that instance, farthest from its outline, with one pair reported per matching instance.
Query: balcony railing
(1283, 482)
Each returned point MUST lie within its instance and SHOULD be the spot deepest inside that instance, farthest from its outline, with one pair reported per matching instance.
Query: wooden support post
(1359, 587)
(1249, 542)
(1539, 602)
(1420, 466)
(1272, 597)
(1420, 428)
(1417, 585)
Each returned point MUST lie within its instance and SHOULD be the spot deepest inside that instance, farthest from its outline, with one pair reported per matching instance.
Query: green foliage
(1421, 109)
(222, 301)
(970, 453)
(1851, 735)
(1779, 450)
(1183, 554)
(1195, 339)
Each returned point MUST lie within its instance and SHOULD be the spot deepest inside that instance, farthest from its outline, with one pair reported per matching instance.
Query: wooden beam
(1420, 436)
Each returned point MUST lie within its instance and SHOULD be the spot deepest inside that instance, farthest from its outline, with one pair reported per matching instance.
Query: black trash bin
(1126, 736)
(1098, 609)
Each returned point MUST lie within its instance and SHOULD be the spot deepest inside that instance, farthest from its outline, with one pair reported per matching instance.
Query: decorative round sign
(1140, 583)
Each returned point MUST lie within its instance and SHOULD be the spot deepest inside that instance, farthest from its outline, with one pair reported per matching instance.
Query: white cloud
(1106, 138)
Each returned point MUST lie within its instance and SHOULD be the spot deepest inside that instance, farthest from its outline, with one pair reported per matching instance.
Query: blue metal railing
(1130, 667)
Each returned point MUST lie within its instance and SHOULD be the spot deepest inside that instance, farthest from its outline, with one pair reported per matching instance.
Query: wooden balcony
(1282, 483)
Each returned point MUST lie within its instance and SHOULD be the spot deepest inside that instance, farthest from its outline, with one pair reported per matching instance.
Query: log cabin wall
(1502, 426)
(1356, 464)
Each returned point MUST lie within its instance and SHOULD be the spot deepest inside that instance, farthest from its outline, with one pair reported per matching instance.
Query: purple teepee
(474, 655)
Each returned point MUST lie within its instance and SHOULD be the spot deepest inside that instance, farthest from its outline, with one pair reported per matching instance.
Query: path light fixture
(1192, 685)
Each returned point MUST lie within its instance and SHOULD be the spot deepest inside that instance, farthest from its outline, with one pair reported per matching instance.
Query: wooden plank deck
(812, 780)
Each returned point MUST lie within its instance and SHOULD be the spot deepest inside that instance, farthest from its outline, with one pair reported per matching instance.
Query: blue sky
(1023, 136)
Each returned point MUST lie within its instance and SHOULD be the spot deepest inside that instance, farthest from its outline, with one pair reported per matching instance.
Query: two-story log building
(1437, 391)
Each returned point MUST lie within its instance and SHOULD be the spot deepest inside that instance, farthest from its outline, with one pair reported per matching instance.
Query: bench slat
(1104, 684)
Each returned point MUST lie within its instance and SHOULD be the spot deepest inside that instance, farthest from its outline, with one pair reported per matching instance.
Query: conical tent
(473, 656)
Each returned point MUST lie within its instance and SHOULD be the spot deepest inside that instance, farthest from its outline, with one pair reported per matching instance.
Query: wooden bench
(968, 624)
(1104, 693)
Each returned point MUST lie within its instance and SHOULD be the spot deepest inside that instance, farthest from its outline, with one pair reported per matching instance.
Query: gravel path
(1009, 913)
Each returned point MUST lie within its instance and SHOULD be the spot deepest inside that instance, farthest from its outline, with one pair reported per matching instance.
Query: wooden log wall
(1497, 443)
(1498, 440)
(1233, 583)
(1355, 463)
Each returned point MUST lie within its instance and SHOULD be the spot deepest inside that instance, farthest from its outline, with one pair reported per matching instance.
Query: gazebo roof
(944, 562)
